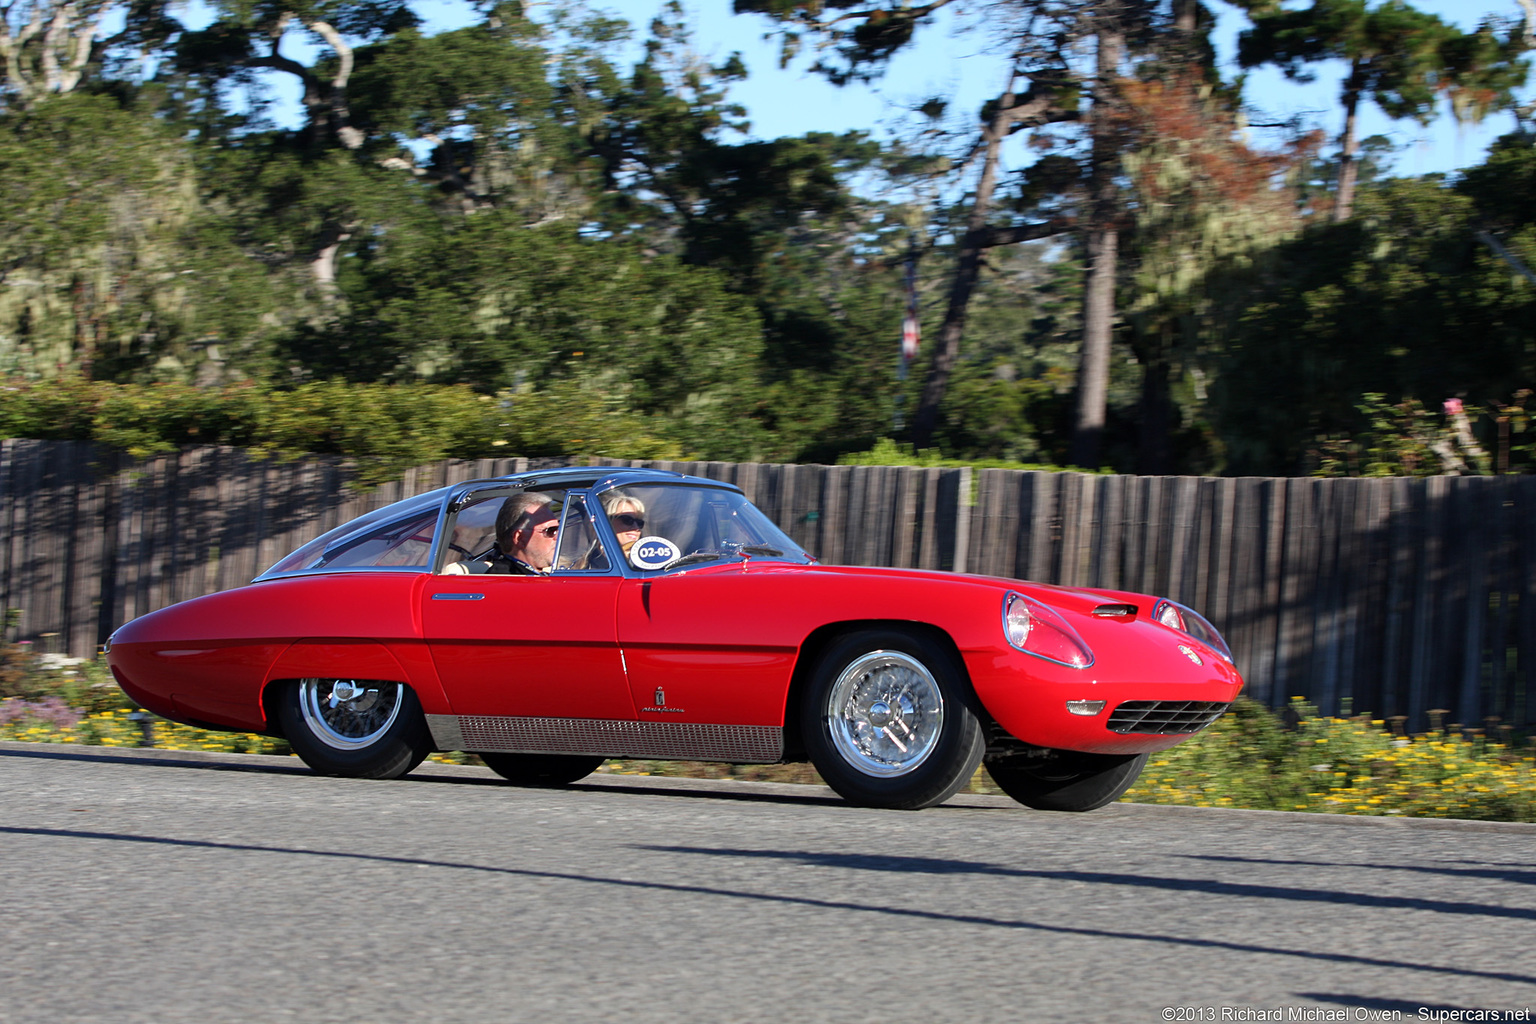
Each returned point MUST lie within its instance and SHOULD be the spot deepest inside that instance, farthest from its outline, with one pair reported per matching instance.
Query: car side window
(399, 544)
(580, 549)
(474, 530)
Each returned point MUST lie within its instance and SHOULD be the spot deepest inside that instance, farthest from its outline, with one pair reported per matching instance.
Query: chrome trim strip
(413, 570)
(437, 553)
(691, 741)
(458, 597)
(445, 731)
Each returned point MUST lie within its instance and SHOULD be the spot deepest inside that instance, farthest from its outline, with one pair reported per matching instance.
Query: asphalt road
(137, 886)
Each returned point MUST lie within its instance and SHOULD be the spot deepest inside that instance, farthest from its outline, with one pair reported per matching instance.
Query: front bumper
(1028, 698)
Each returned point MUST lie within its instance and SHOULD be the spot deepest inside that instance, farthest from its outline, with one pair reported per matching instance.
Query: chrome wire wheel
(349, 714)
(885, 713)
(888, 718)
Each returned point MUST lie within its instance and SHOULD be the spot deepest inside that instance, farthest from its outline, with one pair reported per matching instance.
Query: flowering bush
(46, 697)
(47, 712)
(1352, 765)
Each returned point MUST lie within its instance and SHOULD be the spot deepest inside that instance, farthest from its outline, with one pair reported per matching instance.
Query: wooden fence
(1392, 596)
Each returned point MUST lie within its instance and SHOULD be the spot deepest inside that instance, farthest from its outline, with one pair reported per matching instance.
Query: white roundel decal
(653, 553)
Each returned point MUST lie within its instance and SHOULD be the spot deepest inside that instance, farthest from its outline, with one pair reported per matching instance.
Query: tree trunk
(48, 54)
(1098, 332)
(1036, 109)
(967, 270)
(338, 112)
(1103, 245)
(1155, 455)
(1349, 167)
(322, 265)
(1185, 18)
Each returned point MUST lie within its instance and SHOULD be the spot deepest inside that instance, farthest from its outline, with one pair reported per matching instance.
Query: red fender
(361, 659)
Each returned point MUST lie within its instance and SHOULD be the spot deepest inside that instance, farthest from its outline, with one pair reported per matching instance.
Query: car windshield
(666, 526)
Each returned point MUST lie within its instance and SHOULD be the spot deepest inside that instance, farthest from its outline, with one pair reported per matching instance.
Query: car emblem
(1189, 653)
(660, 705)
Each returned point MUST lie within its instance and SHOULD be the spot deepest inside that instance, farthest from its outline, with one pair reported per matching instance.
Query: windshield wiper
(697, 556)
(746, 550)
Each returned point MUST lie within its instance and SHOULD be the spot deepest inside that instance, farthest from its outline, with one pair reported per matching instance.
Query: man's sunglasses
(550, 530)
(627, 521)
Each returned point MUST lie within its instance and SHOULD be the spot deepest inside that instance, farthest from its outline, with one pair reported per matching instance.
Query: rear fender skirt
(318, 658)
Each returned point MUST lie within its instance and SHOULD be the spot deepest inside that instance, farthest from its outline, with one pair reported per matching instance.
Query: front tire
(363, 729)
(543, 770)
(888, 720)
(1068, 781)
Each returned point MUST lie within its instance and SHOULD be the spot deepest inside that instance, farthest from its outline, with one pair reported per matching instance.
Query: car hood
(1077, 599)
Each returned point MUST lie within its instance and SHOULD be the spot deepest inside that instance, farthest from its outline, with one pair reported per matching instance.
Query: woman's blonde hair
(613, 499)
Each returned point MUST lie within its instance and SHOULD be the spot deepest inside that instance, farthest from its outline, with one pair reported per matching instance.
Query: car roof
(453, 495)
(585, 477)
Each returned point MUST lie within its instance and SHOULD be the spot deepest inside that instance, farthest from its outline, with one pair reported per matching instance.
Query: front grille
(1161, 717)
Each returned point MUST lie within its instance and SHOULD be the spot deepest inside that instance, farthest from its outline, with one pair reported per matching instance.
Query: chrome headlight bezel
(1192, 624)
(1037, 629)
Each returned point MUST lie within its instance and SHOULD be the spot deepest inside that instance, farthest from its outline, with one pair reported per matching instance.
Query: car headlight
(1192, 623)
(1038, 629)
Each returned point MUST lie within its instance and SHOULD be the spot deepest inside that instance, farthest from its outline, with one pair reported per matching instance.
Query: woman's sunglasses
(627, 521)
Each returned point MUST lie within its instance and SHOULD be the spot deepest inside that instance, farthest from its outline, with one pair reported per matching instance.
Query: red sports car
(550, 620)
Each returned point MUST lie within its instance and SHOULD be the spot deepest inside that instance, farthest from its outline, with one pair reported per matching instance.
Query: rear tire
(888, 720)
(363, 729)
(543, 770)
(1068, 781)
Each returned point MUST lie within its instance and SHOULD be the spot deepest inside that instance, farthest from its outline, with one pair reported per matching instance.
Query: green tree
(1400, 58)
(1402, 302)
(111, 264)
(1209, 207)
(487, 301)
(1073, 109)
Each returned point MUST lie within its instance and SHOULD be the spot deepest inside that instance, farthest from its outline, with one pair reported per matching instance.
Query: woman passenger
(626, 515)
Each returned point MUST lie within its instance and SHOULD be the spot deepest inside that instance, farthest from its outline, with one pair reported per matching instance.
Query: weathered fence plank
(1525, 650)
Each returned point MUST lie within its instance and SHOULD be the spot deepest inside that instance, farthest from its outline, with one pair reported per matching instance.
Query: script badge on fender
(1189, 653)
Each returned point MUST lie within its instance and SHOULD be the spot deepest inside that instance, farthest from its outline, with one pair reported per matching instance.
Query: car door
(709, 646)
(531, 646)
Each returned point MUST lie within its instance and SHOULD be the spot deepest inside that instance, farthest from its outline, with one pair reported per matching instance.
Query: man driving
(526, 529)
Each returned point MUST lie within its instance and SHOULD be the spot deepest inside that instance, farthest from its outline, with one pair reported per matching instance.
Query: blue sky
(948, 63)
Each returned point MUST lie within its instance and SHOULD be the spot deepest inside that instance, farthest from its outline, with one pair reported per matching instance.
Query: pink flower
(1453, 407)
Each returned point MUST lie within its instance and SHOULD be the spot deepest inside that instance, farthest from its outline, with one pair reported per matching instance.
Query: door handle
(458, 597)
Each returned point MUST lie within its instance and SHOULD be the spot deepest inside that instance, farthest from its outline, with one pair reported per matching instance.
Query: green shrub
(1350, 765)
(384, 428)
(887, 452)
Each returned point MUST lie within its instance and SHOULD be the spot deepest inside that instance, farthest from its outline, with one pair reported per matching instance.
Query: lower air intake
(1162, 717)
